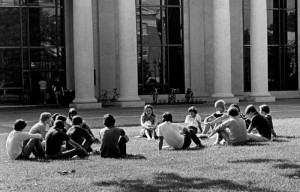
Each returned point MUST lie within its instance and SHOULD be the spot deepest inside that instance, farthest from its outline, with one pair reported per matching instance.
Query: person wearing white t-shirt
(193, 120)
(14, 143)
(175, 135)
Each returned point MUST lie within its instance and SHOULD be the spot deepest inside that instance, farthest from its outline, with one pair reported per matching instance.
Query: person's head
(45, 117)
(233, 111)
(72, 113)
(53, 117)
(264, 109)
(77, 120)
(167, 117)
(109, 120)
(220, 105)
(19, 124)
(236, 106)
(250, 111)
(192, 111)
(58, 124)
(148, 110)
(62, 118)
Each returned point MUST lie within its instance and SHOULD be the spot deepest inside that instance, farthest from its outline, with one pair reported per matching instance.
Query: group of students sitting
(232, 126)
(67, 137)
(70, 136)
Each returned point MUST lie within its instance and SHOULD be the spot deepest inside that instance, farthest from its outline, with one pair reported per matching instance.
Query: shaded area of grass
(173, 182)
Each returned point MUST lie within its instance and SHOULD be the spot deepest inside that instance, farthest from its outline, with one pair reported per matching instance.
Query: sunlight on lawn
(271, 167)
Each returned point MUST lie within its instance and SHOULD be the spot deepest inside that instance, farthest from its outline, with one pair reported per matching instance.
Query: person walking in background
(58, 90)
(43, 90)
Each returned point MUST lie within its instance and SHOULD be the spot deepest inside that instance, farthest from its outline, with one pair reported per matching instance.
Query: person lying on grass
(148, 123)
(175, 135)
(232, 130)
(14, 143)
(258, 122)
(80, 135)
(113, 140)
(55, 138)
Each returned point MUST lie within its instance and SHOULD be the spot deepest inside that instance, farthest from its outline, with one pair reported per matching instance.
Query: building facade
(230, 49)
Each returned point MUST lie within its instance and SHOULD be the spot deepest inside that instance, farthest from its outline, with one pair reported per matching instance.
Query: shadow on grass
(280, 140)
(256, 144)
(134, 156)
(295, 175)
(258, 160)
(174, 182)
(288, 137)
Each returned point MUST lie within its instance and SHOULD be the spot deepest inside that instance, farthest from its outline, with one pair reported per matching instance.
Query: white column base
(86, 105)
(260, 98)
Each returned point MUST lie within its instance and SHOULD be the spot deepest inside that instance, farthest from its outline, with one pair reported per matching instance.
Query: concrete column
(259, 52)
(128, 55)
(83, 55)
(222, 51)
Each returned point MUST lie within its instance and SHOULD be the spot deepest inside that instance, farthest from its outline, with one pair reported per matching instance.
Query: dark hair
(19, 124)
(61, 117)
(265, 108)
(58, 124)
(167, 116)
(148, 107)
(77, 120)
(73, 112)
(250, 108)
(236, 106)
(109, 120)
(192, 109)
(233, 111)
(53, 117)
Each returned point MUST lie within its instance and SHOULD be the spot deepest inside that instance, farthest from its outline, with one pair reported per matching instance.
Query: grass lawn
(271, 167)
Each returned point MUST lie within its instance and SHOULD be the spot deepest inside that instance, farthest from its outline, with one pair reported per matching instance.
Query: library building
(131, 52)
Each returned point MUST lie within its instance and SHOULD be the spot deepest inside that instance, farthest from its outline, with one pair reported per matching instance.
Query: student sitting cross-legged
(174, 134)
(14, 143)
(55, 138)
(113, 140)
(80, 135)
(232, 130)
(260, 123)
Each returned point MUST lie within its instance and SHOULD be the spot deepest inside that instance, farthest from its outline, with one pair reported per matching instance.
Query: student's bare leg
(147, 134)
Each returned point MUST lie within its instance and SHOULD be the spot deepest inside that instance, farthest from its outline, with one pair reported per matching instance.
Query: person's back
(109, 141)
(237, 130)
(171, 133)
(262, 125)
(54, 140)
(78, 135)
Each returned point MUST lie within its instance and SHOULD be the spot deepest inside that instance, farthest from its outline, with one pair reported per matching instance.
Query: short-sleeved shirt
(43, 84)
(78, 135)
(14, 143)
(54, 140)
(171, 133)
(236, 129)
(262, 125)
(40, 128)
(109, 138)
(193, 121)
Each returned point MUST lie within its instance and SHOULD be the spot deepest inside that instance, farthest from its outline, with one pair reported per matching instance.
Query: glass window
(282, 62)
(10, 27)
(43, 58)
(42, 26)
(160, 45)
(9, 3)
(41, 2)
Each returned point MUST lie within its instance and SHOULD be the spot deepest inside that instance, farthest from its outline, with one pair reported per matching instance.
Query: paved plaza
(131, 116)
